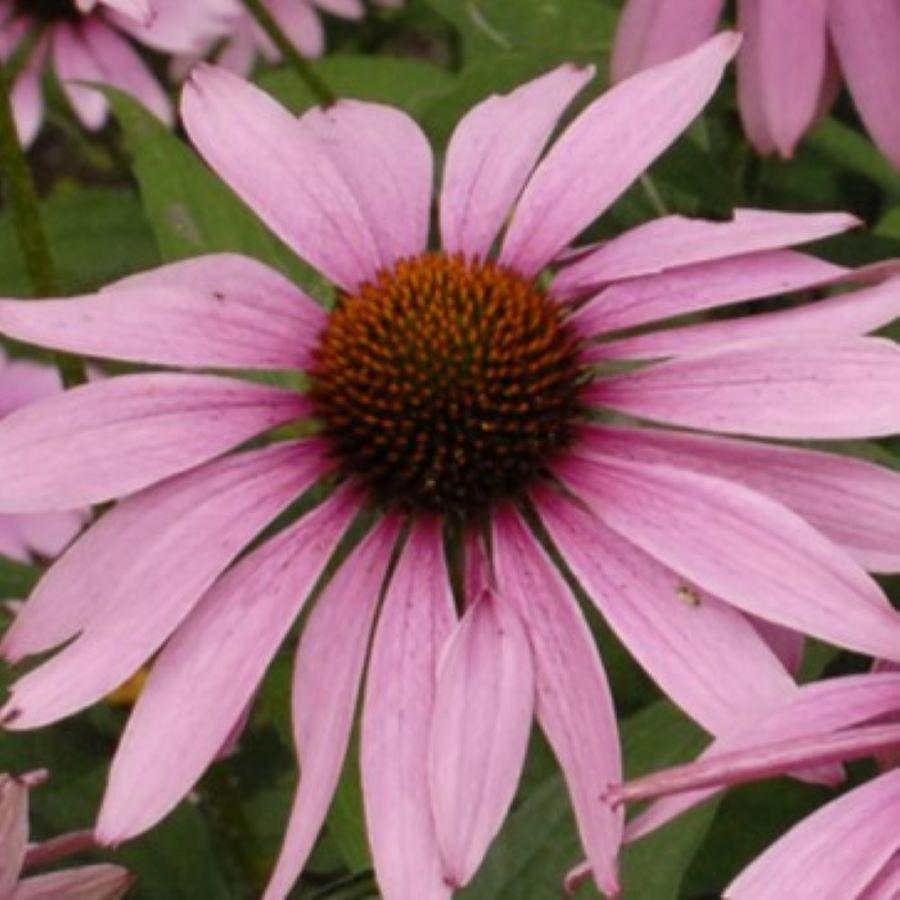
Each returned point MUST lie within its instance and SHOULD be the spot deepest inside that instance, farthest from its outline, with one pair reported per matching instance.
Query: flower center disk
(447, 384)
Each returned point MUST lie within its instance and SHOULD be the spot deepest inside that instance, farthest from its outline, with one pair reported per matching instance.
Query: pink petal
(113, 437)
(781, 69)
(301, 24)
(867, 39)
(784, 389)
(702, 286)
(482, 721)
(98, 882)
(207, 674)
(134, 577)
(766, 561)
(854, 313)
(416, 619)
(13, 831)
(23, 381)
(179, 27)
(221, 310)
(48, 534)
(574, 706)
(786, 644)
(854, 503)
(832, 854)
(75, 63)
(654, 31)
(674, 631)
(886, 885)
(606, 148)
(27, 96)
(675, 241)
(324, 695)
(282, 173)
(493, 151)
(121, 67)
(385, 160)
(816, 709)
(762, 760)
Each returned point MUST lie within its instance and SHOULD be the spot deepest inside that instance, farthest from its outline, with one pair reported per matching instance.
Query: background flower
(84, 42)
(792, 61)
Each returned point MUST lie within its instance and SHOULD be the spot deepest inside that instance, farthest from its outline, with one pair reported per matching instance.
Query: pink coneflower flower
(45, 534)
(847, 850)
(92, 882)
(299, 20)
(86, 41)
(453, 387)
(791, 63)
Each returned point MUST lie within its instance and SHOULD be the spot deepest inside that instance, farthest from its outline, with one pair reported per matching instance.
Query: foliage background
(137, 196)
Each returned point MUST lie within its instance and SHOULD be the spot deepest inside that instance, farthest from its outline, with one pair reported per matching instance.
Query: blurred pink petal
(97, 882)
(654, 31)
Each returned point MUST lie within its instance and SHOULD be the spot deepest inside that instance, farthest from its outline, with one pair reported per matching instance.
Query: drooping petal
(113, 437)
(133, 577)
(781, 389)
(493, 151)
(327, 672)
(416, 620)
(606, 148)
(220, 310)
(654, 31)
(740, 546)
(853, 313)
(282, 173)
(817, 709)
(97, 882)
(574, 705)
(675, 241)
(27, 95)
(702, 286)
(385, 160)
(763, 760)
(886, 885)
(482, 720)
(851, 501)
(121, 67)
(832, 854)
(703, 653)
(867, 39)
(75, 63)
(781, 69)
(13, 831)
(207, 674)
(179, 27)
(301, 24)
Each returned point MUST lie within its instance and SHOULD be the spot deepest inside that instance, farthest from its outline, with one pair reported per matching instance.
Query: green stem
(26, 215)
(322, 92)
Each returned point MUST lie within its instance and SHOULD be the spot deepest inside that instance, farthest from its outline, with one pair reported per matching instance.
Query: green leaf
(848, 149)
(539, 842)
(189, 209)
(97, 236)
(551, 30)
(409, 84)
(16, 579)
